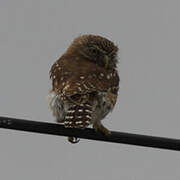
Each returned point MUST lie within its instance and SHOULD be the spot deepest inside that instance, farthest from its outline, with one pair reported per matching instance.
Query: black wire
(116, 137)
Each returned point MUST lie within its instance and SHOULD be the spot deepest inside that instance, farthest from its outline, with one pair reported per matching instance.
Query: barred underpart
(78, 116)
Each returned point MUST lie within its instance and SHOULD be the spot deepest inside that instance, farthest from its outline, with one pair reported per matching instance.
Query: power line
(116, 137)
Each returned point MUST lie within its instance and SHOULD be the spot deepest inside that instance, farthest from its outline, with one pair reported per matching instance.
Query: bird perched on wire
(85, 83)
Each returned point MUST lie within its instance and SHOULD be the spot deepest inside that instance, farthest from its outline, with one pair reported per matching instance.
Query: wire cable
(115, 137)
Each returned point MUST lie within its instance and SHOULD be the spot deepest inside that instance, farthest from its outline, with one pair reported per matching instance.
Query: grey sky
(34, 33)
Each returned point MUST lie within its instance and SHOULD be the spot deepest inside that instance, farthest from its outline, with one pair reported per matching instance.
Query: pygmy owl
(85, 83)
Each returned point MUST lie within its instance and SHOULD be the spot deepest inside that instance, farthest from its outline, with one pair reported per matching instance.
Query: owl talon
(73, 140)
(102, 129)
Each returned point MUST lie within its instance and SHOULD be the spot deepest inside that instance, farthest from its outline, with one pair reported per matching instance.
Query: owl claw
(102, 129)
(73, 140)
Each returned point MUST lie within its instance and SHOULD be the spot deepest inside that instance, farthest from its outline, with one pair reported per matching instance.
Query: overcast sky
(34, 33)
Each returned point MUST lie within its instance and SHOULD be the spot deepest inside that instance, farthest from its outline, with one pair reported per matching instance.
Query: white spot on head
(54, 77)
(80, 110)
(82, 77)
(102, 75)
(57, 65)
(62, 78)
(108, 77)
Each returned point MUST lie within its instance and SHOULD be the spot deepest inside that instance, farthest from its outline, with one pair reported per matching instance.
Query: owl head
(96, 49)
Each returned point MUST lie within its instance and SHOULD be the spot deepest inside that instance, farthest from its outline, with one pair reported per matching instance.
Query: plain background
(34, 33)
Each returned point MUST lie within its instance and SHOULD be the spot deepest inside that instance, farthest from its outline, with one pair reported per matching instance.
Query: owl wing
(81, 77)
(91, 81)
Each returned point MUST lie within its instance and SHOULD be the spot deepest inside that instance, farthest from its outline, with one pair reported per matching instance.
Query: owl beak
(106, 60)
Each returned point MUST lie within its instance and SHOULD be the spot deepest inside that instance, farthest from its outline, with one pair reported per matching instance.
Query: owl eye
(93, 51)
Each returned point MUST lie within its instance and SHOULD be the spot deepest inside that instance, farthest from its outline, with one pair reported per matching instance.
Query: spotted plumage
(85, 83)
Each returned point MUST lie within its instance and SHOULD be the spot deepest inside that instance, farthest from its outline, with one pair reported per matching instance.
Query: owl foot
(99, 127)
(73, 140)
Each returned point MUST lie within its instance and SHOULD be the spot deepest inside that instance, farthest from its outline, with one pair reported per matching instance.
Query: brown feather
(83, 91)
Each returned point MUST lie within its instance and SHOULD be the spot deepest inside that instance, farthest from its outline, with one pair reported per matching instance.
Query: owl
(85, 83)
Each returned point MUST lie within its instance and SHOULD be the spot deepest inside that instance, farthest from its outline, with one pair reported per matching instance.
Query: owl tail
(78, 116)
